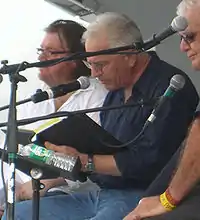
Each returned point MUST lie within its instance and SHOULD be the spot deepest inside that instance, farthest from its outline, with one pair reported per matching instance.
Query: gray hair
(119, 29)
(186, 4)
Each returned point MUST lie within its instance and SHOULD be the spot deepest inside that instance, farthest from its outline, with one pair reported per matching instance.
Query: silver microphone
(178, 24)
(82, 82)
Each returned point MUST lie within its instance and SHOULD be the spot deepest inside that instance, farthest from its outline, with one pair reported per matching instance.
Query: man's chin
(196, 65)
(109, 87)
(42, 77)
(44, 80)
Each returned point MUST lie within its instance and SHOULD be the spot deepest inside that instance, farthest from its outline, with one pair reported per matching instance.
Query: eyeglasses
(188, 37)
(48, 52)
(98, 66)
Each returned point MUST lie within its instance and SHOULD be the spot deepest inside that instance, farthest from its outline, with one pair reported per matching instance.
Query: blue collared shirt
(140, 162)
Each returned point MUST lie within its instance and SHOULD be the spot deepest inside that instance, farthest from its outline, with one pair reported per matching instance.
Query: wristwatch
(90, 168)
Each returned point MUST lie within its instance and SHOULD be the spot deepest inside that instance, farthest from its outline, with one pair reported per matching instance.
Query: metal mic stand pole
(12, 140)
(36, 175)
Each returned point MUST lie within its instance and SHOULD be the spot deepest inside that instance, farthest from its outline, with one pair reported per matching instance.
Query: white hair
(118, 29)
(186, 4)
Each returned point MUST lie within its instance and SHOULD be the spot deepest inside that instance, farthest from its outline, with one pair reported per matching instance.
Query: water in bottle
(48, 156)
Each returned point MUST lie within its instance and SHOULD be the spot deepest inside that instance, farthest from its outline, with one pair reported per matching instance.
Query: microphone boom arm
(84, 111)
(76, 56)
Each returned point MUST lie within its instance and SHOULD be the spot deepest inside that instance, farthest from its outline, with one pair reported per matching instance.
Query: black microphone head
(177, 82)
(179, 23)
(84, 82)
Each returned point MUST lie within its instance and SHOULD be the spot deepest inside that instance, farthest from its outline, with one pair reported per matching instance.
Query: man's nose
(41, 57)
(95, 72)
(184, 46)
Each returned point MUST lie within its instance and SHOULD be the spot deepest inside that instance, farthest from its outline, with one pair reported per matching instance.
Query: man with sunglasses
(130, 77)
(179, 199)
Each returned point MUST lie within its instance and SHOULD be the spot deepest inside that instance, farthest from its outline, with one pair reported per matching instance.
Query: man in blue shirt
(125, 175)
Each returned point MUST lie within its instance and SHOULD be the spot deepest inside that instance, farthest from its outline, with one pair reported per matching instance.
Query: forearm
(188, 172)
(106, 164)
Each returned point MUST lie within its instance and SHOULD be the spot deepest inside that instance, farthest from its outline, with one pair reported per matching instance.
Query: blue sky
(22, 23)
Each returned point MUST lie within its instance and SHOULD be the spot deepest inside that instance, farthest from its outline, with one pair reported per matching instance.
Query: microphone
(178, 24)
(177, 82)
(82, 82)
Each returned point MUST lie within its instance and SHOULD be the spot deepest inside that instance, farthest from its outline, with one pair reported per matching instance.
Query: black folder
(82, 133)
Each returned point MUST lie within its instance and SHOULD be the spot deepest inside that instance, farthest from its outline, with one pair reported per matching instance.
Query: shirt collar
(145, 81)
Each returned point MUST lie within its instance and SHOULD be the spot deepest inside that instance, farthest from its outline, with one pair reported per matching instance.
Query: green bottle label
(39, 153)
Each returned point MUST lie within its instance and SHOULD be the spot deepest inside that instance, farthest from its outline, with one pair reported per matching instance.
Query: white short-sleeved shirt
(91, 97)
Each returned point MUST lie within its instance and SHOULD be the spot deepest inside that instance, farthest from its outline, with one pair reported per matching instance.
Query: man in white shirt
(62, 38)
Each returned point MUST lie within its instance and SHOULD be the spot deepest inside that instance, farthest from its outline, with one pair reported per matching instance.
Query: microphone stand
(78, 112)
(136, 48)
(12, 139)
(36, 175)
(17, 103)
(39, 170)
(34, 98)
(76, 56)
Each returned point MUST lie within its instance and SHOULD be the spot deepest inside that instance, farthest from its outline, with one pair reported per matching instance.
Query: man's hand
(24, 191)
(147, 207)
(67, 150)
(62, 149)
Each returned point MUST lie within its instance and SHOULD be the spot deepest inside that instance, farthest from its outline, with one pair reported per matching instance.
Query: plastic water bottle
(44, 155)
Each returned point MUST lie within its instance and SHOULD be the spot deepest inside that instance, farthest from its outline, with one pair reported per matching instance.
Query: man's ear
(131, 59)
(72, 64)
